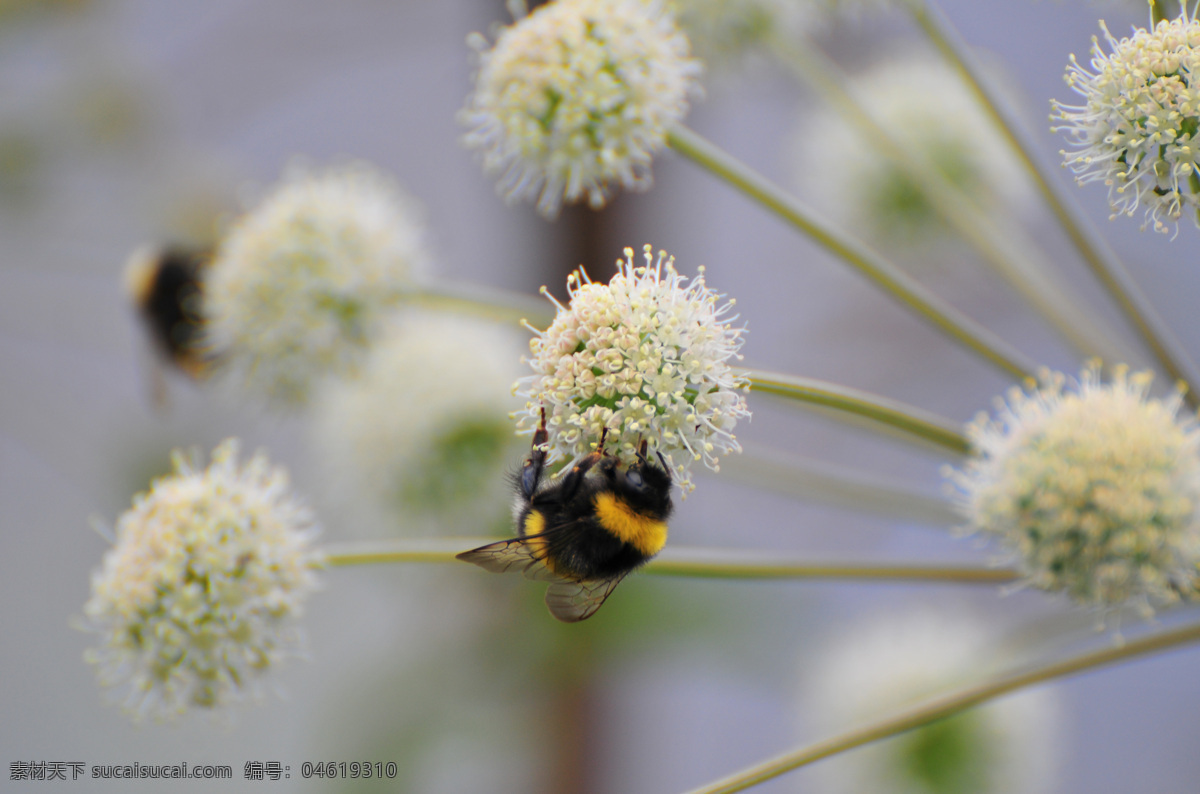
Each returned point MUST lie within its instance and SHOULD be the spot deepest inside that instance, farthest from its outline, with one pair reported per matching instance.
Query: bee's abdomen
(592, 552)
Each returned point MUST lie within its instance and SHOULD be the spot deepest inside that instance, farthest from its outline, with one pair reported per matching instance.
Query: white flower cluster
(300, 285)
(1136, 130)
(1095, 489)
(198, 594)
(644, 357)
(578, 96)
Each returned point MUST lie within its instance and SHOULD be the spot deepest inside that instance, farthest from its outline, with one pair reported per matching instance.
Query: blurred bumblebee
(583, 530)
(165, 285)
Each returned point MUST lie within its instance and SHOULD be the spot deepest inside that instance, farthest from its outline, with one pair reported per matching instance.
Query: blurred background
(125, 122)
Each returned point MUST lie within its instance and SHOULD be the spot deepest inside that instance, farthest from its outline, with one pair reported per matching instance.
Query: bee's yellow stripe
(535, 524)
(647, 535)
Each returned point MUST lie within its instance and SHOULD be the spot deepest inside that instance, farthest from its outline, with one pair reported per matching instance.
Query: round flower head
(894, 662)
(927, 109)
(1094, 488)
(300, 284)
(645, 358)
(197, 595)
(577, 96)
(423, 432)
(1135, 132)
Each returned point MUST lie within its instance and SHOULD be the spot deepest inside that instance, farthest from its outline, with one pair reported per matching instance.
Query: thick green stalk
(913, 423)
(883, 273)
(1103, 263)
(685, 562)
(1008, 251)
(949, 705)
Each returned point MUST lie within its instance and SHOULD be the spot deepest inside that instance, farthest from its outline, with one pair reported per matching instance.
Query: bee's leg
(644, 448)
(661, 459)
(573, 478)
(535, 464)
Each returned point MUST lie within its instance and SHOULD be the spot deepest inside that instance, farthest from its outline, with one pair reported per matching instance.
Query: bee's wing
(511, 555)
(572, 601)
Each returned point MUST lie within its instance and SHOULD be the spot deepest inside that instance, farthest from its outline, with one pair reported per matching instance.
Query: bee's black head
(644, 485)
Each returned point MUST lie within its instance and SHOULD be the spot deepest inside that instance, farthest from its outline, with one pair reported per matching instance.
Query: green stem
(486, 302)
(885, 275)
(1008, 251)
(819, 481)
(949, 705)
(683, 561)
(724, 564)
(1103, 263)
(910, 421)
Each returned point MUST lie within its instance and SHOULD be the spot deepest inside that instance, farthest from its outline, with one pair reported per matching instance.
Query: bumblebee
(584, 530)
(165, 286)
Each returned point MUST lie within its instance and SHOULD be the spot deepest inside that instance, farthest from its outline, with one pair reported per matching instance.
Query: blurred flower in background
(198, 596)
(577, 97)
(923, 104)
(300, 285)
(1094, 488)
(877, 667)
(423, 436)
(724, 32)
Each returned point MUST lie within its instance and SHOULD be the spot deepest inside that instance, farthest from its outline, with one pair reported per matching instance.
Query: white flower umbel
(646, 357)
(1136, 131)
(926, 108)
(1094, 488)
(423, 436)
(301, 283)
(577, 97)
(879, 668)
(197, 597)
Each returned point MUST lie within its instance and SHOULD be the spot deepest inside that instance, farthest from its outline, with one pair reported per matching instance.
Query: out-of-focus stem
(913, 423)
(1011, 254)
(951, 704)
(815, 480)
(1098, 256)
(486, 302)
(883, 273)
(684, 562)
